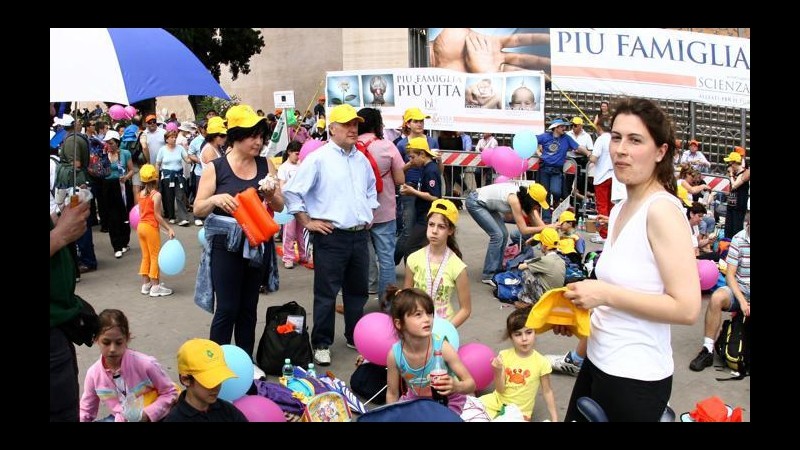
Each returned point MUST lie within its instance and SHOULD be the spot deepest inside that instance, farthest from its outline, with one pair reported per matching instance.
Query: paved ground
(160, 325)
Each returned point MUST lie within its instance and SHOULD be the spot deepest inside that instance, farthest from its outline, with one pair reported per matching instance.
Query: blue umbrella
(124, 65)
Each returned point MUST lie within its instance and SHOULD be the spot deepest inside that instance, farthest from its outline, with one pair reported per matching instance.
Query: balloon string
(311, 102)
(589, 121)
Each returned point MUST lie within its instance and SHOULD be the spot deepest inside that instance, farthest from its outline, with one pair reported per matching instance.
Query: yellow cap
(204, 360)
(548, 237)
(414, 114)
(567, 216)
(555, 309)
(343, 114)
(683, 194)
(421, 143)
(577, 121)
(733, 157)
(539, 193)
(566, 246)
(148, 173)
(321, 123)
(446, 208)
(242, 116)
(216, 126)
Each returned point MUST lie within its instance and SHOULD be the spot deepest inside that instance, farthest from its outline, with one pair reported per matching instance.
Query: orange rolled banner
(252, 216)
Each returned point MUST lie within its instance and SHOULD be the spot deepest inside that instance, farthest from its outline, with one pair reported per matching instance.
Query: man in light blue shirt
(332, 195)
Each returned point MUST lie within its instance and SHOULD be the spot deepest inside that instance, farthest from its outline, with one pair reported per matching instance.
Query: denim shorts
(735, 307)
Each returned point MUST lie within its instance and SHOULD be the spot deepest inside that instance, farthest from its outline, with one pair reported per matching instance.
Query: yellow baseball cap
(567, 216)
(577, 121)
(566, 246)
(321, 123)
(343, 114)
(683, 194)
(548, 237)
(242, 116)
(555, 309)
(148, 173)
(414, 114)
(421, 143)
(733, 157)
(446, 208)
(204, 360)
(216, 125)
(539, 193)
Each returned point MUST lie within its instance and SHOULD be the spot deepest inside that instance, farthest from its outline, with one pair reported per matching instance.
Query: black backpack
(274, 347)
(732, 345)
(137, 154)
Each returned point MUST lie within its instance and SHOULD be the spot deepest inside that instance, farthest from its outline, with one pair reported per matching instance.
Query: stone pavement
(160, 325)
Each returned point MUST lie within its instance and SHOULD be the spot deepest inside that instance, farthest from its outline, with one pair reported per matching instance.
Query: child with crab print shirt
(518, 372)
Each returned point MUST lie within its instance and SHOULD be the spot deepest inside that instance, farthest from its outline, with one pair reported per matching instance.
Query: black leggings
(623, 399)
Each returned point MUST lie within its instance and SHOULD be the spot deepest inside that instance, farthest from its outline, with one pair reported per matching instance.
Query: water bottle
(311, 372)
(288, 369)
(581, 225)
(439, 369)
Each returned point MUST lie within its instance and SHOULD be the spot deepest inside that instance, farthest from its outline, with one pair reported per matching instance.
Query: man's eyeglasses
(151, 122)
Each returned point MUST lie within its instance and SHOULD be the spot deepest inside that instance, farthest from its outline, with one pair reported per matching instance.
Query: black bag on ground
(274, 347)
(84, 327)
(369, 380)
(732, 345)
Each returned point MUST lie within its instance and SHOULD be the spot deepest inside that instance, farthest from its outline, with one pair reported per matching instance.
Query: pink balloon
(708, 272)
(477, 358)
(501, 179)
(130, 111)
(374, 336)
(487, 156)
(117, 112)
(259, 409)
(133, 217)
(308, 147)
(172, 126)
(507, 162)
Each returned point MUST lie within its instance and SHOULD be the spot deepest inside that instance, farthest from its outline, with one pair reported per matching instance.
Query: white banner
(456, 101)
(658, 63)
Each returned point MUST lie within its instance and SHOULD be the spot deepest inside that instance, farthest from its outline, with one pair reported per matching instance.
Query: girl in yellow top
(519, 371)
(437, 268)
(150, 219)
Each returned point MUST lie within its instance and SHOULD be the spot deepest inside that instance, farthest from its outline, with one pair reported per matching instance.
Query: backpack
(362, 147)
(274, 347)
(416, 410)
(369, 381)
(328, 407)
(66, 176)
(99, 165)
(508, 285)
(731, 345)
(137, 153)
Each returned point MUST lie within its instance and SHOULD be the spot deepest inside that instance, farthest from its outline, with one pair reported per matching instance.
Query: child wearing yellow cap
(438, 269)
(150, 220)
(543, 272)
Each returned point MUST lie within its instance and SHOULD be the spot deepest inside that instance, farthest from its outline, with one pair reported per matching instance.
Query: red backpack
(362, 147)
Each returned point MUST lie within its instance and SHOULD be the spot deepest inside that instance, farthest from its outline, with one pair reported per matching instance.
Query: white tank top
(620, 343)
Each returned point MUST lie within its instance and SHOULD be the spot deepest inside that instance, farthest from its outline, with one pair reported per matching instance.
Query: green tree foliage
(214, 47)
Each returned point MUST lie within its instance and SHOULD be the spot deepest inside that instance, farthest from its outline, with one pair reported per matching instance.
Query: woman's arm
(392, 379)
(129, 170)
(274, 197)
(674, 255)
(694, 189)
(464, 299)
(205, 201)
(549, 398)
(740, 179)
(519, 217)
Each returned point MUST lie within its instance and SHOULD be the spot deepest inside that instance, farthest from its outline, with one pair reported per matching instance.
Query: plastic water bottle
(581, 225)
(288, 369)
(311, 372)
(439, 369)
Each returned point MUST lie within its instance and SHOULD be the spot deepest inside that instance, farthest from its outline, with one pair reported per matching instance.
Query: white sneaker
(258, 374)
(288, 265)
(564, 364)
(322, 357)
(125, 249)
(159, 290)
(171, 220)
(490, 282)
(198, 222)
(146, 288)
(118, 254)
(598, 239)
(183, 223)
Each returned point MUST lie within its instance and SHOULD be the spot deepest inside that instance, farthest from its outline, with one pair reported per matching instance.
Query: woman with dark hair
(603, 119)
(230, 266)
(121, 171)
(646, 279)
(490, 205)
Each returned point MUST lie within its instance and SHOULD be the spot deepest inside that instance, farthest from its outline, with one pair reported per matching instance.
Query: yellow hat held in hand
(566, 246)
(555, 309)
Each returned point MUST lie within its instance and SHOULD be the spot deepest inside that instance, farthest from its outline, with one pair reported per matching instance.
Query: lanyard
(433, 284)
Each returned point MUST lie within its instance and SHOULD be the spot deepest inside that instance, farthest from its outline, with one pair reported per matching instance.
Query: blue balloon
(241, 364)
(172, 257)
(201, 236)
(443, 328)
(283, 217)
(525, 144)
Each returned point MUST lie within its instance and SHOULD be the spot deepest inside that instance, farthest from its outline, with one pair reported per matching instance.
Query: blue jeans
(85, 245)
(552, 180)
(409, 218)
(383, 240)
(494, 225)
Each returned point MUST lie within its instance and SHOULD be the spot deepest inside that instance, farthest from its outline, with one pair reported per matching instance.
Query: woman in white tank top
(647, 275)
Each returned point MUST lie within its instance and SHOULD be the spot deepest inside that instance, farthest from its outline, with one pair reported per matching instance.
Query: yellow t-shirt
(442, 298)
(523, 376)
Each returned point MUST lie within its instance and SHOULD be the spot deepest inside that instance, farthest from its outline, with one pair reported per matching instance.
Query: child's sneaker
(146, 288)
(564, 364)
(159, 290)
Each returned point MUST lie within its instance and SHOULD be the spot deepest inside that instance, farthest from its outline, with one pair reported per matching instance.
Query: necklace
(432, 284)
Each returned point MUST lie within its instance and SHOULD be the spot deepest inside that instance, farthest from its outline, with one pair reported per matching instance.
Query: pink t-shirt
(388, 158)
